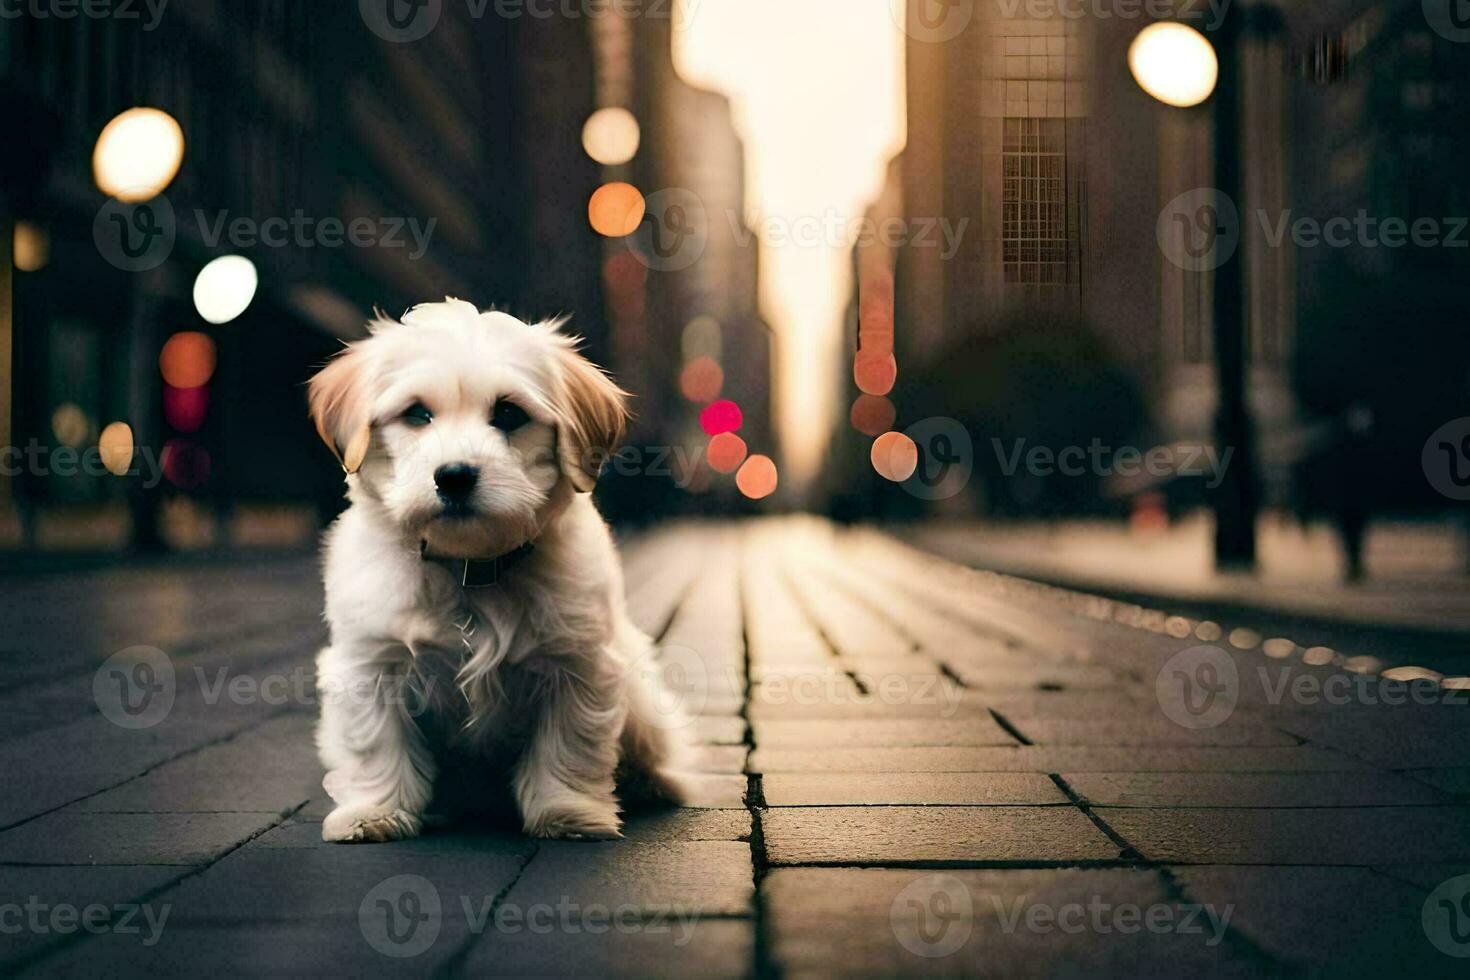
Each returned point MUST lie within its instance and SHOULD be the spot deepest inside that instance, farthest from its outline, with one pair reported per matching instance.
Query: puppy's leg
(564, 781)
(380, 772)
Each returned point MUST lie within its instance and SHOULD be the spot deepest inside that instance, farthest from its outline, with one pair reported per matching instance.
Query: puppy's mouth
(457, 510)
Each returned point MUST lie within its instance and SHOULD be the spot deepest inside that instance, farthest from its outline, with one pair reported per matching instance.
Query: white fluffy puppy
(473, 592)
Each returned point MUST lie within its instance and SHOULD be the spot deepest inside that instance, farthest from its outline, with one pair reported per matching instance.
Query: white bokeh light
(1174, 63)
(225, 288)
(138, 154)
(611, 136)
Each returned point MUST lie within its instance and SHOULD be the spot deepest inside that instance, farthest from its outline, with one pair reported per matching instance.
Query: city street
(908, 768)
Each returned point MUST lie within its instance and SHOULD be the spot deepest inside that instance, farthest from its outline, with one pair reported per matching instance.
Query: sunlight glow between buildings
(817, 92)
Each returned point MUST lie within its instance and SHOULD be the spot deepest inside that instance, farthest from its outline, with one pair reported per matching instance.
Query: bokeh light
(615, 210)
(757, 478)
(31, 246)
(701, 380)
(187, 359)
(872, 415)
(70, 424)
(138, 154)
(184, 409)
(722, 416)
(610, 136)
(895, 456)
(185, 464)
(726, 452)
(702, 337)
(224, 288)
(1174, 63)
(116, 447)
(874, 372)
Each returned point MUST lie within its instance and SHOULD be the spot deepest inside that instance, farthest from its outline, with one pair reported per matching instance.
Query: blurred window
(1038, 243)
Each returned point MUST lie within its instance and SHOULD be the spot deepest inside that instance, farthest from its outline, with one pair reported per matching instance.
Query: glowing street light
(138, 154)
(611, 136)
(225, 287)
(1174, 63)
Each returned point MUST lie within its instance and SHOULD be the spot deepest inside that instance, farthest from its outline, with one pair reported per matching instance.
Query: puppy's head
(468, 428)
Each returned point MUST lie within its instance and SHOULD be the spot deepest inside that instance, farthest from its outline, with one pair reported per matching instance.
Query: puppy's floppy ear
(339, 407)
(593, 416)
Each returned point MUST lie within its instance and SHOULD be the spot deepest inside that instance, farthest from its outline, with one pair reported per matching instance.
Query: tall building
(355, 164)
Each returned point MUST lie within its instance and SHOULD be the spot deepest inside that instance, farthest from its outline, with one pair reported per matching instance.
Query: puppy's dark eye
(417, 415)
(508, 416)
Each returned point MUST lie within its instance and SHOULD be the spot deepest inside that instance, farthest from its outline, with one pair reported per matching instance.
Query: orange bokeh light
(726, 452)
(872, 415)
(757, 477)
(187, 359)
(616, 209)
(701, 380)
(895, 456)
(875, 372)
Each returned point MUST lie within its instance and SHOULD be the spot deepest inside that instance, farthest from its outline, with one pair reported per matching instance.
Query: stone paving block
(716, 791)
(831, 695)
(268, 769)
(269, 949)
(843, 922)
(1041, 758)
(886, 835)
(663, 947)
(1453, 781)
(292, 884)
(909, 788)
(1425, 876)
(671, 826)
(129, 838)
(43, 898)
(719, 730)
(719, 758)
(1034, 676)
(882, 732)
(1355, 836)
(1251, 789)
(1146, 730)
(1328, 921)
(705, 877)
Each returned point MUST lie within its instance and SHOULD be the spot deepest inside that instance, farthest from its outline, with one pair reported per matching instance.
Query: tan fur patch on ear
(594, 418)
(339, 408)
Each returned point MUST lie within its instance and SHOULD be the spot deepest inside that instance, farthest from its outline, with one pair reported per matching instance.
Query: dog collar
(479, 573)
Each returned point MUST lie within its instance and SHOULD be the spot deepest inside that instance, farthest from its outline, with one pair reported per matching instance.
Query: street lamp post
(1176, 65)
(1235, 498)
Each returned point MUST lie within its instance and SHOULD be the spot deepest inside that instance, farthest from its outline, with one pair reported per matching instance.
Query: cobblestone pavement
(909, 768)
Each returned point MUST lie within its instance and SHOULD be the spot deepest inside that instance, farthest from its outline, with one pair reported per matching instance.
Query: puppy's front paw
(587, 820)
(369, 825)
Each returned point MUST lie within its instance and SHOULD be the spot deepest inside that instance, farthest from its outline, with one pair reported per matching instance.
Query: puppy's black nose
(456, 481)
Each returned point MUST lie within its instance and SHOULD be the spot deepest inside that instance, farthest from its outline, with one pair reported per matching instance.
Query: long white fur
(553, 675)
